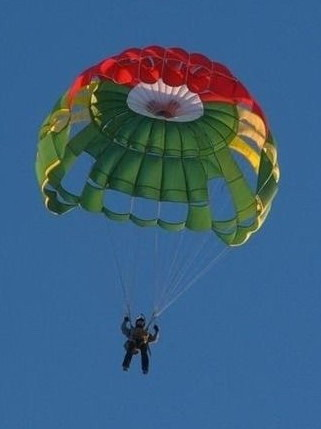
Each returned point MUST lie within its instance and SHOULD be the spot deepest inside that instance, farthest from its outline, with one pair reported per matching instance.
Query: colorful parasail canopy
(162, 125)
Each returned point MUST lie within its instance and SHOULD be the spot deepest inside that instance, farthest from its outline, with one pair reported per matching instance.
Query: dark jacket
(138, 335)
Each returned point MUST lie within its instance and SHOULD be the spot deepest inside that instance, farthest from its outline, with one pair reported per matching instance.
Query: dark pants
(131, 348)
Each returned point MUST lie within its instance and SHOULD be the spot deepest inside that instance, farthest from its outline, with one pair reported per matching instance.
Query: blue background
(241, 350)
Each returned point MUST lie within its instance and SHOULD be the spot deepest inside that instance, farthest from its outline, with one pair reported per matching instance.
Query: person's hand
(126, 319)
(156, 328)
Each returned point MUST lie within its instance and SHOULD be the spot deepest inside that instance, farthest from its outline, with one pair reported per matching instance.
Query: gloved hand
(126, 319)
(156, 328)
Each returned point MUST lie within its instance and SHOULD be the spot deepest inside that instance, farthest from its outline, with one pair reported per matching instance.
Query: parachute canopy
(163, 126)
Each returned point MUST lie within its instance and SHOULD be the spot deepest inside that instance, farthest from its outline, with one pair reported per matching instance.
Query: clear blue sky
(242, 349)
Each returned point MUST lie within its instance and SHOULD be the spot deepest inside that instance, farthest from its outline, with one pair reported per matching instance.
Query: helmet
(140, 320)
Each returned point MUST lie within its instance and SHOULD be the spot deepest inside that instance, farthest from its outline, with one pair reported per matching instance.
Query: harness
(139, 336)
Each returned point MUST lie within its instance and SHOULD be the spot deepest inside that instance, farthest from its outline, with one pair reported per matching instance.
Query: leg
(145, 359)
(129, 354)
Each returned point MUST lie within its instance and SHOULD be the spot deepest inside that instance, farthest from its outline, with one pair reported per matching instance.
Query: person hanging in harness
(138, 340)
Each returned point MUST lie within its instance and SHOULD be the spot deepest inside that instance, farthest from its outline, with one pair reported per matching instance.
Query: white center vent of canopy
(161, 101)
